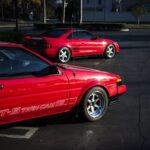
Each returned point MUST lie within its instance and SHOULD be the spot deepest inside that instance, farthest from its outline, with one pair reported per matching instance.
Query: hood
(105, 40)
(86, 70)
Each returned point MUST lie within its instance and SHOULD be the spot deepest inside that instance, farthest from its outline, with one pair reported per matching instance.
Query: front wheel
(95, 104)
(110, 51)
(64, 55)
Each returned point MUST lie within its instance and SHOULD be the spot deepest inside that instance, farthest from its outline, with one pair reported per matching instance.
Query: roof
(68, 28)
(8, 44)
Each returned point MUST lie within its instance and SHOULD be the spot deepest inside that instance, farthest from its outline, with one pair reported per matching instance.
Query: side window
(85, 35)
(18, 62)
(73, 35)
(5, 65)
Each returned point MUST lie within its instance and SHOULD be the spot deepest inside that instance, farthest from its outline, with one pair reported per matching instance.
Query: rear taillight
(46, 44)
(27, 37)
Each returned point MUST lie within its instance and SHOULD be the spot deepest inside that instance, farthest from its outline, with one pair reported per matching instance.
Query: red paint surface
(76, 47)
(31, 97)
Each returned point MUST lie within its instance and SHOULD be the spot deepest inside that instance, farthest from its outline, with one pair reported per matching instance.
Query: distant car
(66, 43)
(32, 86)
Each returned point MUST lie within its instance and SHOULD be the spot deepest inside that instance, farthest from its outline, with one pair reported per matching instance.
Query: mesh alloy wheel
(110, 51)
(64, 55)
(95, 104)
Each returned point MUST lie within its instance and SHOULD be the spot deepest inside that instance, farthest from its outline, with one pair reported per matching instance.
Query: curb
(134, 44)
(125, 30)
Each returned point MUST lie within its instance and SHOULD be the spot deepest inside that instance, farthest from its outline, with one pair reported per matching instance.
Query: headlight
(119, 81)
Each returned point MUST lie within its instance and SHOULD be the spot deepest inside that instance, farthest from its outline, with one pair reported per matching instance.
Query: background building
(113, 10)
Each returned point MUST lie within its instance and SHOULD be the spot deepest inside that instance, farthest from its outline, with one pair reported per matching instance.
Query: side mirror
(52, 69)
(94, 38)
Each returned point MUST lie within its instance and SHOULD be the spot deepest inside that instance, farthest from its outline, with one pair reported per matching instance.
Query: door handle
(1, 86)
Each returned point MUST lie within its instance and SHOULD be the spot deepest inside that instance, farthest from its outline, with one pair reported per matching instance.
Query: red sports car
(32, 86)
(66, 43)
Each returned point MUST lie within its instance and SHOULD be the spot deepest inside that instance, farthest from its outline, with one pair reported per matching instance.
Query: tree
(139, 11)
(4, 4)
(73, 10)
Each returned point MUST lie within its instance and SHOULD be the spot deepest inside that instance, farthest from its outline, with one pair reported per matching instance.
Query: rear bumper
(51, 52)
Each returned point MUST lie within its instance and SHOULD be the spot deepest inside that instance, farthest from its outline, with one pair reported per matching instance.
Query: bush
(138, 12)
(11, 36)
(91, 26)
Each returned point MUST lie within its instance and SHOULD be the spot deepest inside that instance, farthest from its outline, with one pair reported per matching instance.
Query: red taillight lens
(27, 37)
(46, 44)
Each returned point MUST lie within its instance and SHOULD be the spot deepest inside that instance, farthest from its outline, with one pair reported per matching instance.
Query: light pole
(16, 14)
(64, 10)
(44, 11)
(81, 11)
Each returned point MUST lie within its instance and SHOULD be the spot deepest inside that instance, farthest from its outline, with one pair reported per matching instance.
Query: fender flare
(88, 87)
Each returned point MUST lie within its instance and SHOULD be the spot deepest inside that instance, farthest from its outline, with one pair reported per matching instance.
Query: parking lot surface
(125, 126)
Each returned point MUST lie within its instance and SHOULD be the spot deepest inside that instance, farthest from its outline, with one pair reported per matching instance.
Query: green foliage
(139, 11)
(24, 8)
(94, 26)
(73, 10)
(89, 26)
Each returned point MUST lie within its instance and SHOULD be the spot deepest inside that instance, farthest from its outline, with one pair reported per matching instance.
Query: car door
(24, 94)
(88, 45)
(74, 43)
(81, 43)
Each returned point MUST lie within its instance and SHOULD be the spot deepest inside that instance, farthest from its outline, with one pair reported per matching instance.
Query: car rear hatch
(36, 44)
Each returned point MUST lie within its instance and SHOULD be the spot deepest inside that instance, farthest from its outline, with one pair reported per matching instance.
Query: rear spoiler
(30, 37)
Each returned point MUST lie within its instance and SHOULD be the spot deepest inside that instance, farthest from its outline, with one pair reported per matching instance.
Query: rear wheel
(110, 51)
(64, 55)
(95, 104)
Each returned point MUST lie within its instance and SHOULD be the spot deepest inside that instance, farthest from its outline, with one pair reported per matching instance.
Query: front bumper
(121, 89)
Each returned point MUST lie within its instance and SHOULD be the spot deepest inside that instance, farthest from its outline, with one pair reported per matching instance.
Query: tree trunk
(138, 19)
(16, 14)
(44, 11)
(64, 11)
(2, 10)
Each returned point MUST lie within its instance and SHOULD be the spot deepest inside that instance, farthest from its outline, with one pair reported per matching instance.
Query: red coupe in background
(66, 43)
(32, 86)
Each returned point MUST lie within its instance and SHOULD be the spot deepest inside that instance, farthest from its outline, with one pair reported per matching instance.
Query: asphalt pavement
(126, 125)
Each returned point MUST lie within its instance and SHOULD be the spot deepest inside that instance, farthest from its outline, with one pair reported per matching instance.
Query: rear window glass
(54, 33)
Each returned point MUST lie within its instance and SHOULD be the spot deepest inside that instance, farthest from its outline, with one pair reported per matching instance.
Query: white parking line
(30, 132)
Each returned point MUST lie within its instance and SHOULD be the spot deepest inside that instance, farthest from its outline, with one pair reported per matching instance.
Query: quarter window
(85, 35)
(54, 33)
(81, 35)
(73, 35)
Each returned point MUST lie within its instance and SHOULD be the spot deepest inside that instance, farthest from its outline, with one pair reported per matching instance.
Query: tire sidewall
(105, 97)
(69, 54)
(106, 51)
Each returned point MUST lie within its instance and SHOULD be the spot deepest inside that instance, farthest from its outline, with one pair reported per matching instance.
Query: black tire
(110, 51)
(88, 109)
(64, 55)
